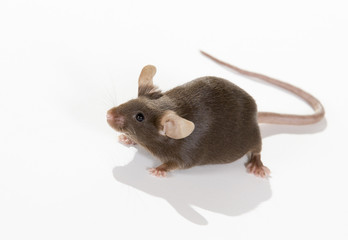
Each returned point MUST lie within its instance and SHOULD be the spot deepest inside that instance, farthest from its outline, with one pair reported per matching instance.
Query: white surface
(63, 175)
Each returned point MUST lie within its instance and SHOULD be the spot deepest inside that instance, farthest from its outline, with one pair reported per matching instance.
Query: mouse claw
(125, 140)
(157, 172)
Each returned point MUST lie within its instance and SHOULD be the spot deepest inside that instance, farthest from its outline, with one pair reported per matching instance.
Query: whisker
(109, 98)
(115, 94)
(105, 102)
(114, 90)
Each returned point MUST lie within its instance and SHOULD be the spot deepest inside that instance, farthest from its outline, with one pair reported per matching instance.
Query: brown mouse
(206, 121)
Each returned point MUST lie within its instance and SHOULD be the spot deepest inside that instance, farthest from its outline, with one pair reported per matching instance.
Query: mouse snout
(114, 119)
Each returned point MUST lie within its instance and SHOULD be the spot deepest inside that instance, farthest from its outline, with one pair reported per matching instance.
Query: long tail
(277, 118)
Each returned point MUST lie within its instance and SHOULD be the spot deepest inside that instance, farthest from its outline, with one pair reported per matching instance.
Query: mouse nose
(109, 116)
(114, 119)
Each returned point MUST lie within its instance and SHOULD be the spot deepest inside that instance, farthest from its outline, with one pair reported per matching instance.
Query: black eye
(139, 117)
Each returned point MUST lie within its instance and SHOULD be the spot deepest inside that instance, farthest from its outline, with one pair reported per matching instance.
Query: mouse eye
(139, 117)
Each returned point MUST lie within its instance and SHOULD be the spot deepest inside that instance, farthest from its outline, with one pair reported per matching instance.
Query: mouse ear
(145, 79)
(175, 126)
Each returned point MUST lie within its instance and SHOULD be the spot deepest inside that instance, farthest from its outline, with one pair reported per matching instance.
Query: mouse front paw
(163, 169)
(126, 140)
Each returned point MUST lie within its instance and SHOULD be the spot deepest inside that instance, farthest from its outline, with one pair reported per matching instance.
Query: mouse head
(149, 115)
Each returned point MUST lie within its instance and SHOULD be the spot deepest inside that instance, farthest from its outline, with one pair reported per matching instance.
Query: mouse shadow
(225, 189)
(268, 130)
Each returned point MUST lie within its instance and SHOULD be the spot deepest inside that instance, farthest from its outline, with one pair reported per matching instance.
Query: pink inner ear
(164, 130)
(165, 126)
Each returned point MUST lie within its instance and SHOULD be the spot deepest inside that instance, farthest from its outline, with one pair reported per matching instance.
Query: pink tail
(277, 118)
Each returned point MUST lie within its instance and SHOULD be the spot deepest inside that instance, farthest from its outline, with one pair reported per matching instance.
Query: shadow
(226, 189)
(268, 130)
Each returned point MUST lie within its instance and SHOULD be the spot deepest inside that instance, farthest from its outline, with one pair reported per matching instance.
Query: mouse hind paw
(258, 171)
(256, 167)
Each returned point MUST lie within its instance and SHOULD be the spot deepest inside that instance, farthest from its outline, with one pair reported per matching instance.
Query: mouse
(208, 120)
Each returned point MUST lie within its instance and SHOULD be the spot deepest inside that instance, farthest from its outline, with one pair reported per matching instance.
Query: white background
(63, 175)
